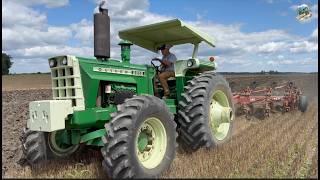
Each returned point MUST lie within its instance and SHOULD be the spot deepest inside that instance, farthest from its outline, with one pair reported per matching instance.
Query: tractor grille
(66, 82)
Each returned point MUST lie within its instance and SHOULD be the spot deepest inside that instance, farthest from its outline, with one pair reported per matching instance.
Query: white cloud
(286, 62)
(314, 35)
(25, 16)
(272, 47)
(125, 9)
(294, 7)
(83, 31)
(46, 3)
(314, 10)
(304, 46)
(28, 28)
(52, 50)
(23, 37)
(281, 62)
(309, 62)
(232, 41)
(292, 62)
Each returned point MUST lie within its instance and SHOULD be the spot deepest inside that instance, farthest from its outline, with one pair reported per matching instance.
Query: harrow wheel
(303, 103)
(205, 113)
(248, 115)
(39, 146)
(253, 85)
(248, 111)
(141, 139)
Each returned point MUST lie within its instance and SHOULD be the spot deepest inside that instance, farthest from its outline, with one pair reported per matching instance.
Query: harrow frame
(250, 96)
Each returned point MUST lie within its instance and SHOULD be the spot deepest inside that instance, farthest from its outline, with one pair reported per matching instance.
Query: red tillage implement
(291, 98)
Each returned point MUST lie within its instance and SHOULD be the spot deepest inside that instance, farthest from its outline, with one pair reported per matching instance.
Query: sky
(250, 35)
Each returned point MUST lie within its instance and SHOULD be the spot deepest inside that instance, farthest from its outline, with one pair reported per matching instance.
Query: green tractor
(111, 104)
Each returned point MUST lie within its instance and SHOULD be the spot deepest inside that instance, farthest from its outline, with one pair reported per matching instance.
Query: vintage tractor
(110, 103)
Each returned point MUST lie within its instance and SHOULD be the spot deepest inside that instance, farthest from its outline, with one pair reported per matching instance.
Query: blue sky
(252, 35)
(256, 15)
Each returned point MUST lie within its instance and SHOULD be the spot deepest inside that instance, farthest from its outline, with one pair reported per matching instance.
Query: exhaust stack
(101, 33)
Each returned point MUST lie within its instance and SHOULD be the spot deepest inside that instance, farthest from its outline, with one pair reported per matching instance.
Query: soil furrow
(278, 165)
(306, 152)
(240, 126)
(262, 152)
(267, 153)
(241, 152)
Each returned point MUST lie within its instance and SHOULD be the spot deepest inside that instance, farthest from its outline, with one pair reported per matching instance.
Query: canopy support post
(195, 50)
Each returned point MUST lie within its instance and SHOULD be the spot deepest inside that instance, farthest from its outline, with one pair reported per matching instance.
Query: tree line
(6, 63)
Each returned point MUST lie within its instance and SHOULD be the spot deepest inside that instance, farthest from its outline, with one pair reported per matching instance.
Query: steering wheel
(156, 67)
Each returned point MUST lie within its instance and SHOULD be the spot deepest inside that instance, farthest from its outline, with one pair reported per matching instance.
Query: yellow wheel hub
(220, 115)
(151, 143)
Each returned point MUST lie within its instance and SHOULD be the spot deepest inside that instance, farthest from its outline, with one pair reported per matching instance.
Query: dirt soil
(283, 145)
(26, 82)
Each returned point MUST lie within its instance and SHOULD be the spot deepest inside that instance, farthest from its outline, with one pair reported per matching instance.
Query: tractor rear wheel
(40, 146)
(303, 103)
(206, 112)
(140, 140)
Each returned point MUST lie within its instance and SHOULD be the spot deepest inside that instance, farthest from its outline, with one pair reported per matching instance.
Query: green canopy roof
(172, 32)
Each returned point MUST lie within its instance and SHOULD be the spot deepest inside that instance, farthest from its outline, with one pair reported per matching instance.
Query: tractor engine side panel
(105, 85)
(114, 72)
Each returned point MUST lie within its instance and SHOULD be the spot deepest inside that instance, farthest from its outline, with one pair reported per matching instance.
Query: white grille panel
(66, 82)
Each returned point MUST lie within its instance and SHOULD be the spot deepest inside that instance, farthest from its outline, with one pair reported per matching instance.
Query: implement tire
(303, 103)
(140, 140)
(206, 112)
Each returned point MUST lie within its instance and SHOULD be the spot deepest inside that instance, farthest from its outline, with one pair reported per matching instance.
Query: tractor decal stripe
(119, 71)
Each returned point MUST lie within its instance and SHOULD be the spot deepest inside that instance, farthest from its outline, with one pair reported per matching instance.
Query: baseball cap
(164, 46)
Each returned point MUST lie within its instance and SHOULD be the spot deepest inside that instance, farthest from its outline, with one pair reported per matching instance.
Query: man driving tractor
(166, 68)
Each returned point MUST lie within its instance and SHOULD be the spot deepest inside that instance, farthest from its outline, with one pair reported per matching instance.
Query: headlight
(190, 63)
(65, 61)
(52, 62)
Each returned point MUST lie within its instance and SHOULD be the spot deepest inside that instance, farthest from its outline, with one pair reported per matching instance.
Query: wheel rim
(57, 146)
(151, 143)
(220, 115)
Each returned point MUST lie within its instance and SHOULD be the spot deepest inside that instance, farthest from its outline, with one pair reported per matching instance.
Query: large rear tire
(206, 112)
(141, 139)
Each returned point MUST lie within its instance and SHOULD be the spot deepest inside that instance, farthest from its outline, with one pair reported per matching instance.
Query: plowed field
(283, 145)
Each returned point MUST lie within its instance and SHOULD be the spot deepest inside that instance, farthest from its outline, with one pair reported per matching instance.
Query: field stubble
(280, 146)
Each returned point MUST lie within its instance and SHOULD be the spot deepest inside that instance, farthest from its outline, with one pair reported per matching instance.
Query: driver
(167, 67)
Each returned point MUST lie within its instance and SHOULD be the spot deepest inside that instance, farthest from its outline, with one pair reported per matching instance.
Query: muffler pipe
(101, 34)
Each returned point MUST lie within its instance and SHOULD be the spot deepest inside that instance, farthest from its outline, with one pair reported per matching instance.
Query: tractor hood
(173, 32)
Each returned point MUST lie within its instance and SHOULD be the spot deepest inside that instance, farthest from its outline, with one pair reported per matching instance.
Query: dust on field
(282, 146)
(26, 81)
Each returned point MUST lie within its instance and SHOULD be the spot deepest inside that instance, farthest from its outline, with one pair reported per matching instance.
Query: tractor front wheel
(40, 146)
(140, 141)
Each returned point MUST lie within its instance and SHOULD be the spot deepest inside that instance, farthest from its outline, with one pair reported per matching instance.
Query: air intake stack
(102, 33)
(125, 50)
